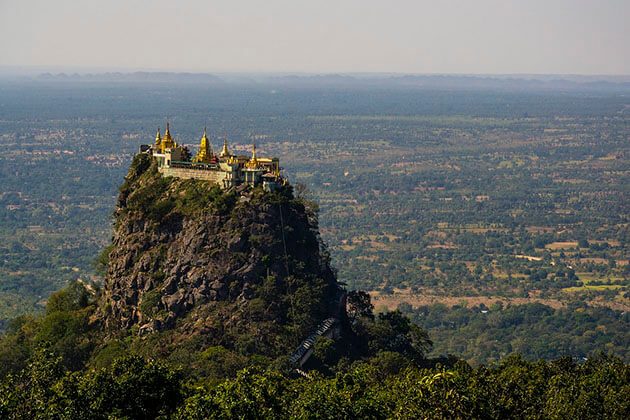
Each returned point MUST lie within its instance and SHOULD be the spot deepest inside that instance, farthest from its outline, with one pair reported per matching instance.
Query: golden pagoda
(205, 154)
(158, 138)
(225, 152)
(167, 140)
(253, 162)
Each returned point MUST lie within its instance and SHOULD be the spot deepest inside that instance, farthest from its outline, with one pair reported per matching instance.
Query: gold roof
(253, 162)
(167, 140)
(205, 149)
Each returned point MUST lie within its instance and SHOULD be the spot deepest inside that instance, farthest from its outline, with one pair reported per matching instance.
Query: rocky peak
(189, 256)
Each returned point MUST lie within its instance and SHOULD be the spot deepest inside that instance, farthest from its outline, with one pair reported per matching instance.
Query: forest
(48, 372)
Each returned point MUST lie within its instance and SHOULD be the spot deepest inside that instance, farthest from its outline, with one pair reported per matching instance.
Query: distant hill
(141, 76)
(515, 82)
(368, 80)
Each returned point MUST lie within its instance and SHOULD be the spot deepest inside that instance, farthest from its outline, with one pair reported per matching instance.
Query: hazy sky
(440, 36)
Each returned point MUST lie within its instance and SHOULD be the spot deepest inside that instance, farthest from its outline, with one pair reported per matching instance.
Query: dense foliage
(70, 331)
(133, 387)
(481, 334)
(60, 366)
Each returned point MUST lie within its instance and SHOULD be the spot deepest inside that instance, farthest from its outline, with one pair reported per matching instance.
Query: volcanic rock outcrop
(190, 257)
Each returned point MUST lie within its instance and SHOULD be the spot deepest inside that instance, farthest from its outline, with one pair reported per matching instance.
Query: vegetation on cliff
(193, 265)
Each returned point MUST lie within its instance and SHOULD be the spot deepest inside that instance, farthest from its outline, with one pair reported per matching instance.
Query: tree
(359, 304)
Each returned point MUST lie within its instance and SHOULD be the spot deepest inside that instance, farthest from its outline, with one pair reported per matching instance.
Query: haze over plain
(481, 37)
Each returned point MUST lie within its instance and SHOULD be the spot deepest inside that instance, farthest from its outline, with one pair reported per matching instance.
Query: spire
(167, 141)
(167, 133)
(205, 149)
(225, 152)
(158, 137)
(253, 162)
(204, 138)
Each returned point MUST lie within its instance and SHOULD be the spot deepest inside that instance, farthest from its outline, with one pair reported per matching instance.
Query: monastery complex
(225, 169)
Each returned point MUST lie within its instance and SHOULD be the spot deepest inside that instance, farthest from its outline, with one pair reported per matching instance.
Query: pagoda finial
(158, 137)
(225, 152)
(167, 141)
(205, 153)
(253, 162)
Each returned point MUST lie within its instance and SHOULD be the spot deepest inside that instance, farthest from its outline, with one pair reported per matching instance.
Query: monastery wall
(213, 176)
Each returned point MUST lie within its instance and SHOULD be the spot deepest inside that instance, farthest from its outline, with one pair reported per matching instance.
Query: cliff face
(188, 257)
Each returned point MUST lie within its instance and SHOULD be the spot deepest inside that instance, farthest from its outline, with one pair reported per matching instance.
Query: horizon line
(42, 69)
